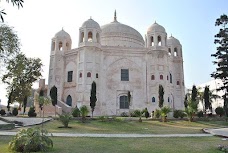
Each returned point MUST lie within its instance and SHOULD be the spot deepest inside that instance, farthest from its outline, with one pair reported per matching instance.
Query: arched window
(124, 102)
(152, 41)
(175, 52)
(80, 75)
(53, 46)
(152, 77)
(60, 45)
(178, 83)
(170, 51)
(153, 99)
(69, 100)
(88, 75)
(98, 37)
(168, 99)
(90, 36)
(67, 46)
(96, 75)
(82, 37)
(170, 78)
(159, 41)
(167, 77)
(161, 77)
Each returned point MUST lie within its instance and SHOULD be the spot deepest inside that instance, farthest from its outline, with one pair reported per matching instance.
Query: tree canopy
(221, 56)
(21, 72)
(18, 3)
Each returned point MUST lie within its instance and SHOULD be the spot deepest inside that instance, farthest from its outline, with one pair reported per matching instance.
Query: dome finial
(115, 18)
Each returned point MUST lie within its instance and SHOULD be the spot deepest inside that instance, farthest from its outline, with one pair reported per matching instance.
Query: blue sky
(192, 22)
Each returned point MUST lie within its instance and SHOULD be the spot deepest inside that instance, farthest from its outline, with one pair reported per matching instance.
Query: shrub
(124, 114)
(84, 112)
(176, 113)
(30, 140)
(65, 119)
(31, 112)
(182, 114)
(219, 111)
(200, 114)
(146, 113)
(102, 118)
(2, 112)
(157, 113)
(15, 112)
(136, 113)
(76, 112)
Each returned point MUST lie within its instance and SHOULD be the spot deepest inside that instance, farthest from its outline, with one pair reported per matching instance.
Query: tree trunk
(55, 111)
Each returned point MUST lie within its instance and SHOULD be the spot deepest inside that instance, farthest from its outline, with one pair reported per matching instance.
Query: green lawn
(130, 145)
(133, 126)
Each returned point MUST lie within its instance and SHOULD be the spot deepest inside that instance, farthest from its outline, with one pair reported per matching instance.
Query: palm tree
(191, 109)
(164, 111)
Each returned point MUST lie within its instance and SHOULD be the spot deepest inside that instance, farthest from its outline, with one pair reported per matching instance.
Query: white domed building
(121, 63)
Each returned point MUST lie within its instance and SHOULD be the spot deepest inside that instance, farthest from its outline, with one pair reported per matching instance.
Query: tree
(194, 94)
(206, 98)
(53, 95)
(24, 104)
(93, 97)
(9, 44)
(20, 74)
(161, 96)
(186, 101)
(18, 3)
(221, 56)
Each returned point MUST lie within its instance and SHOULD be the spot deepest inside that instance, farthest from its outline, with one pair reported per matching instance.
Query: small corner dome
(62, 35)
(173, 41)
(156, 28)
(90, 23)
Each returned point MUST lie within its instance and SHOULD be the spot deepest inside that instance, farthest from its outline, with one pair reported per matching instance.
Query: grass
(133, 126)
(130, 145)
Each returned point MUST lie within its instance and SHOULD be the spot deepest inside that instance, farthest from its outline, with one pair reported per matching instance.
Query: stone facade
(115, 52)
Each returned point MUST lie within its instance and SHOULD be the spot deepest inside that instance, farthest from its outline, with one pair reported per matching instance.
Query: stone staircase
(62, 107)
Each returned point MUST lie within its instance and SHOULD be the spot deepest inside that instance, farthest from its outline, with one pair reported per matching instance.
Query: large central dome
(117, 34)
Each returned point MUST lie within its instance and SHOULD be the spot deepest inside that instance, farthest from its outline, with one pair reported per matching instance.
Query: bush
(2, 112)
(146, 113)
(124, 114)
(136, 113)
(30, 140)
(84, 112)
(15, 112)
(200, 114)
(31, 112)
(176, 113)
(219, 111)
(76, 112)
(182, 114)
(157, 113)
(102, 118)
(65, 119)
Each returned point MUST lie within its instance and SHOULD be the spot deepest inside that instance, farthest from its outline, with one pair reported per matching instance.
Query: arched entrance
(69, 100)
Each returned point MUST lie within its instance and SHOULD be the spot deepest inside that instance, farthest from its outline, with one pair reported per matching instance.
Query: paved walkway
(117, 135)
(27, 121)
(223, 132)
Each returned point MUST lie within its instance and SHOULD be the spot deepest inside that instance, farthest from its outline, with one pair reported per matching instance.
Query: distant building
(120, 61)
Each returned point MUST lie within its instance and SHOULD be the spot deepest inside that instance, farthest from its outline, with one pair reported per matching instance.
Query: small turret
(61, 41)
(89, 33)
(156, 36)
